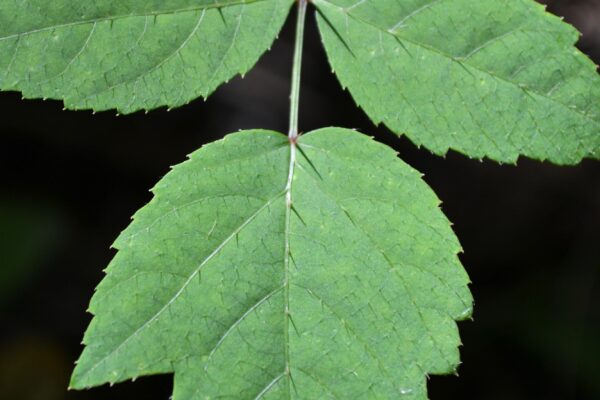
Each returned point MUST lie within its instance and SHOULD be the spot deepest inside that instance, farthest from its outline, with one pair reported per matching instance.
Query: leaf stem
(297, 71)
(293, 136)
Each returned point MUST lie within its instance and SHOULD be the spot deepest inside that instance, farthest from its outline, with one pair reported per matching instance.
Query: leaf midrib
(454, 59)
(132, 15)
(286, 268)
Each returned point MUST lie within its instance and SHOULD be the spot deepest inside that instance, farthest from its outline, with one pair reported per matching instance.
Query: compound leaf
(131, 54)
(487, 78)
(261, 272)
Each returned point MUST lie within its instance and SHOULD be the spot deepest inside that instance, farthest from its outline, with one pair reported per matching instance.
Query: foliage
(246, 290)
(487, 78)
(317, 266)
(131, 55)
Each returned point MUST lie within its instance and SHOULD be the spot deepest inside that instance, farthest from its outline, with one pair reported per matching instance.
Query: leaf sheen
(131, 55)
(487, 78)
(362, 306)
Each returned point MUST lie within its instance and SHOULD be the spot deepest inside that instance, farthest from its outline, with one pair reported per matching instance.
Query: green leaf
(487, 78)
(131, 54)
(261, 270)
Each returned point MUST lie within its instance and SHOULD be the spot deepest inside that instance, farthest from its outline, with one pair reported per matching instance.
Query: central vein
(293, 138)
(286, 264)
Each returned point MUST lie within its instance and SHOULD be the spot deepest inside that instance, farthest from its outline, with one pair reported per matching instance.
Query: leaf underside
(131, 54)
(487, 78)
(350, 292)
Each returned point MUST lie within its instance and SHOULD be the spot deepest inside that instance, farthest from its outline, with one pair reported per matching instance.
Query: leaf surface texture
(349, 292)
(131, 54)
(487, 78)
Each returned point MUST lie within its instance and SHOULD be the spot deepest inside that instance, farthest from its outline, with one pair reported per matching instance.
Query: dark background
(71, 181)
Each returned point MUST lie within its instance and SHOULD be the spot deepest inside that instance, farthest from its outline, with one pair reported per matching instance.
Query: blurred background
(71, 181)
